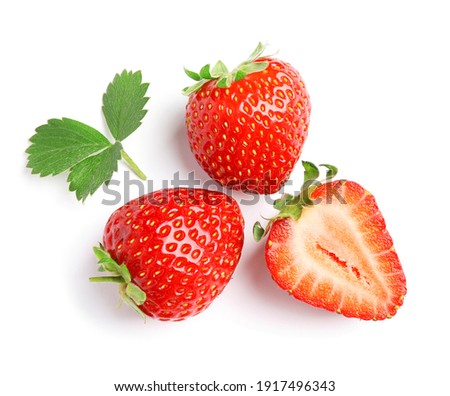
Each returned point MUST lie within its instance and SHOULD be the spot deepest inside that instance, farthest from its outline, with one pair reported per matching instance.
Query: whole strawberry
(247, 127)
(173, 251)
(329, 247)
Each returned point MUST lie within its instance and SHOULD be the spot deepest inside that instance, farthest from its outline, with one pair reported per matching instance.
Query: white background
(379, 78)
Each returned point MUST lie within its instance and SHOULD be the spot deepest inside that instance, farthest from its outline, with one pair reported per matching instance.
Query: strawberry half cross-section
(329, 247)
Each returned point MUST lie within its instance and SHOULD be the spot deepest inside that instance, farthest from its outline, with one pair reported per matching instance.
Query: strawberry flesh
(338, 255)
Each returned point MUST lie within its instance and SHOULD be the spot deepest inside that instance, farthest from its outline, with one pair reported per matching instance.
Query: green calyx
(130, 293)
(220, 72)
(290, 206)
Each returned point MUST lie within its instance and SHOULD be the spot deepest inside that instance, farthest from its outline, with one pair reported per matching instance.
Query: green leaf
(331, 172)
(62, 143)
(123, 104)
(69, 145)
(205, 73)
(195, 76)
(219, 70)
(311, 171)
(88, 175)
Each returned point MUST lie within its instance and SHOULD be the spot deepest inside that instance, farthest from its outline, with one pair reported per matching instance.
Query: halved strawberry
(329, 247)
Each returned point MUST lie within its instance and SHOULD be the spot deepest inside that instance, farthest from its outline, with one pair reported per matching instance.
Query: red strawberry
(173, 250)
(247, 127)
(329, 247)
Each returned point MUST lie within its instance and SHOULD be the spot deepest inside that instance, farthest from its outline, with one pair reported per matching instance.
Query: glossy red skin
(181, 247)
(386, 279)
(250, 136)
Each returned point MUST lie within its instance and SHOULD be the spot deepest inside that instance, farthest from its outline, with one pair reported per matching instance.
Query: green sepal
(130, 293)
(304, 198)
(240, 75)
(205, 72)
(221, 74)
(193, 88)
(254, 67)
(224, 82)
(311, 171)
(219, 69)
(258, 231)
(130, 302)
(135, 293)
(281, 203)
(109, 265)
(291, 211)
(100, 252)
(191, 74)
(290, 206)
(331, 172)
(125, 273)
(257, 52)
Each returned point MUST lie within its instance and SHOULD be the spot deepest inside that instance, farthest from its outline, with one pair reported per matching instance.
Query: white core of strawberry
(327, 242)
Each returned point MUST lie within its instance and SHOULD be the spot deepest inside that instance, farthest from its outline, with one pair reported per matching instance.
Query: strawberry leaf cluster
(90, 158)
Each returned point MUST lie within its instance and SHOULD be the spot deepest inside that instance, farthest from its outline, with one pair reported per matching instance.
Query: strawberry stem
(132, 165)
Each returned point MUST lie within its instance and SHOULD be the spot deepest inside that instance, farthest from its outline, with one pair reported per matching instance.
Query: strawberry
(173, 251)
(329, 247)
(246, 128)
